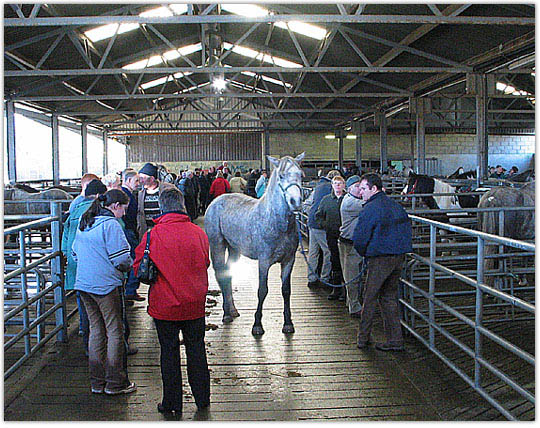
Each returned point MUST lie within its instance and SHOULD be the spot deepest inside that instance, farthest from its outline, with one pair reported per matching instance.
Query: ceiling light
(219, 84)
(329, 137)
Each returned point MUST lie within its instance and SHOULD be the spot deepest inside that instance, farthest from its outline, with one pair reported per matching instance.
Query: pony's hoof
(288, 328)
(227, 319)
(257, 330)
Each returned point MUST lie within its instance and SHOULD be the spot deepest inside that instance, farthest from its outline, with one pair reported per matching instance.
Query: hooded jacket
(179, 250)
(102, 253)
(383, 228)
(68, 236)
(350, 208)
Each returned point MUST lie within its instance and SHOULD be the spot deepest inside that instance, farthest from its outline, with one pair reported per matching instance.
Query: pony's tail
(88, 218)
(488, 222)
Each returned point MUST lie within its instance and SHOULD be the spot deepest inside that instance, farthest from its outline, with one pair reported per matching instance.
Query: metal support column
(380, 119)
(340, 135)
(266, 150)
(55, 149)
(84, 147)
(420, 106)
(481, 125)
(357, 129)
(105, 153)
(11, 152)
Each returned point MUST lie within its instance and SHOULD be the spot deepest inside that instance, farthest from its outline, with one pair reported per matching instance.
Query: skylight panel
(268, 79)
(247, 87)
(158, 59)
(107, 31)
(305, 29)
(251, 10)
(158, 11)
(163, 80)
(242, 50)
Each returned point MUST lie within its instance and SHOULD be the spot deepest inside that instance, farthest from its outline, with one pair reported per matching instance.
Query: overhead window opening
(251, 53)
(159, 59)
(107, 31)
(251, 10)
(268, 79)
(164, 80)
(247, 87)
(510, 90)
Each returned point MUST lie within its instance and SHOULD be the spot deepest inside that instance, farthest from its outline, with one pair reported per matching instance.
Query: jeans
(132, 283)
(107, 356)
(197, 367)
(332, 241)
(382, 285)
(84, 324)
(350, 263)
(317, 239)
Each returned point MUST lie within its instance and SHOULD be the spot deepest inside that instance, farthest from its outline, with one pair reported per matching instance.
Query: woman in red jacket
(219, 186)
(177, 299)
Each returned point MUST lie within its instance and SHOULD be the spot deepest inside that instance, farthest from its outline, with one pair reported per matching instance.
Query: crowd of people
(353, 223)
(110, 223)
(103, 241)
(500, 172)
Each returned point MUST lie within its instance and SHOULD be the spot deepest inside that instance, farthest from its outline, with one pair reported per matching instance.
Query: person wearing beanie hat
(92, 190)
(147, 200)
(351, 180)
(149, 169)
(350, 259)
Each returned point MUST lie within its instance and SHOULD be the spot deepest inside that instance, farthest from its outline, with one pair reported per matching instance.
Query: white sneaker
(127, 390)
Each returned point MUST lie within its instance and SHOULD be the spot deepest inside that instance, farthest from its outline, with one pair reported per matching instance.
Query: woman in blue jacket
(103, 255)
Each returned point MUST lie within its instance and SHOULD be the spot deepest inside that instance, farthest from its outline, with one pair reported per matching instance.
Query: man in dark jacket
(329, 217)
(130, 185)
(383, 236)
(317, 235)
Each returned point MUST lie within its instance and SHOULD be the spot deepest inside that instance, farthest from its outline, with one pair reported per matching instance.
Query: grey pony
(262, 229)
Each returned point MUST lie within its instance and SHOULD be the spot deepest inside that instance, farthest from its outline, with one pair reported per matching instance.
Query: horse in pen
(263, 229)
(517, 224)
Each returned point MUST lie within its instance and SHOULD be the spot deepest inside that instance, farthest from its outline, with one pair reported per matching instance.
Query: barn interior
(424, 87)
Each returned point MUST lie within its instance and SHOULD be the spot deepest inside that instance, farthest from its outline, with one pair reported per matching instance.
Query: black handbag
(147, 272)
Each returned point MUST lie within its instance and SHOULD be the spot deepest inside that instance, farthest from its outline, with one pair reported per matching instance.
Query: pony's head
(287, 175)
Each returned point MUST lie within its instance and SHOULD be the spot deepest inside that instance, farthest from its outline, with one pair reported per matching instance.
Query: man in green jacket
(329, 217)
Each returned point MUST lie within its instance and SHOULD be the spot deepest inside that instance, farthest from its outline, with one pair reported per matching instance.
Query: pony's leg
(286, 269)
(233, 257)
(223, 278)
(257, 329)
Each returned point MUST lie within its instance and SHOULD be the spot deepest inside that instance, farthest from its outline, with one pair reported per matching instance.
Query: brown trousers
(382, 287)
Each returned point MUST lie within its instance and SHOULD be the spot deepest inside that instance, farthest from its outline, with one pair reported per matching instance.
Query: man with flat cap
(148, 205)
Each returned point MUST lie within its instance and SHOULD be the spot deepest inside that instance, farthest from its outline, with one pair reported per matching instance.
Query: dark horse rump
(517, 224)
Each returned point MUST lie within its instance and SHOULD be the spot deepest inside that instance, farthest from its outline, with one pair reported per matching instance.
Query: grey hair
(128, 173)
(171, 199)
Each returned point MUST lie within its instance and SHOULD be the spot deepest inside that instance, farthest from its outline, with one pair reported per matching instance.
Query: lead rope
(303, 251)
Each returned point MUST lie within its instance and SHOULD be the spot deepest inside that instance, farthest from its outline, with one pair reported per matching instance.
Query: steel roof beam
(48, 98)
(265, 110)
(229, 70)
(231, 19)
